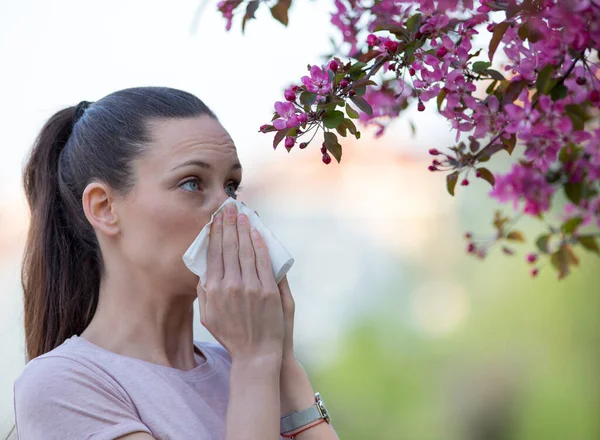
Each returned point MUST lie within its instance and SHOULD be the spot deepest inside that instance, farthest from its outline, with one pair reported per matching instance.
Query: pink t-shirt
(82, 391)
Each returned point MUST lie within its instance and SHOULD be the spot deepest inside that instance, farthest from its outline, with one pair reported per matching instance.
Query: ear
(100, 209)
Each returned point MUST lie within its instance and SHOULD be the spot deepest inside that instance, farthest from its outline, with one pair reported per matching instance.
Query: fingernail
(219, 219)
(230, 209)
(242, 219)
(254, 233)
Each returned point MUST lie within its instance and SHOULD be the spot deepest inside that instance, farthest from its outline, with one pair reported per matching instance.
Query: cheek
(158, 233)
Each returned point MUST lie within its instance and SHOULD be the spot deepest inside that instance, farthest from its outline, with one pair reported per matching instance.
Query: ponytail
(60, 274)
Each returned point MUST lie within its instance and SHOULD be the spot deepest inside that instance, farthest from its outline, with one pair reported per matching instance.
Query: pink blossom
(524, 183)
(287, 116)
(318, 81)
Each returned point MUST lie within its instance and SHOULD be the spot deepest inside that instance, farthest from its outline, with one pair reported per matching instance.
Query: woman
(118, 190)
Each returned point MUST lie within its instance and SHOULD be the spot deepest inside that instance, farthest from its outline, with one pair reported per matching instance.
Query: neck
(140, 320)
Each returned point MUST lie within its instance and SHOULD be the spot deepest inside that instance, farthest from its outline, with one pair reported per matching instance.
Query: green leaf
(350, 126)
(280, 11)
(250, 10)
(480, 66)
(577, 115)
(513, 90)
(360, 91)
(571, 225)
(494, 74)
(559, 92)
(451, 180)
(542, 243)
(351, 112)
(279, 137)
(497, 35)
(544, 82)
(560, 261)
(362, 104)
(486, 175)
(491, 87)
(574, 191)
(510, 143)
(515, 236)
(333, 146)
(589, 242)
(413, 23)
(332, 119)
(356, 67)
(440, 98)
(341, 129)
(308, 98)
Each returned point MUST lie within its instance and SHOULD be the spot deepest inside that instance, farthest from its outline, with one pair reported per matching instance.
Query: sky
(58, 53)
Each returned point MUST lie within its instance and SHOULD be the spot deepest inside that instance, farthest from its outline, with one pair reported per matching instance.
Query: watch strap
(297, 419)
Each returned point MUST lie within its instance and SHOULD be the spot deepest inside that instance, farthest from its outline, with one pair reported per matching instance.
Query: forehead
(183, 139)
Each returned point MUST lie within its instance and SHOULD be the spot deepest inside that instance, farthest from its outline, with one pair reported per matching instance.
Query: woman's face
(190, 168)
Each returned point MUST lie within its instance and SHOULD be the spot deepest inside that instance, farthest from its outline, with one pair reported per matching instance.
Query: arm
(296, 395)
(253, 410)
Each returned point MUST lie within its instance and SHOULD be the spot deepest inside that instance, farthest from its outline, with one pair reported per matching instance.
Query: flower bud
(302, 118)
(434, 151)
(534, 272)
(391, 46)
(334, 66)
(531, 258)
(471, 248)
(421, 106)
(372, 40)
(303, 145)
(323, 149)
(289, 95)
(326, 159)
(289, 143)
(465, 182)
(594, 96)
(432, 168)
(351, 93)
(581, 80)
(412, 71)
(264, 128)
(344, 83)
(441, 52)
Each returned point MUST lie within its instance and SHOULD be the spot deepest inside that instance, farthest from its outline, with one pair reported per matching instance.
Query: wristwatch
(297, 419)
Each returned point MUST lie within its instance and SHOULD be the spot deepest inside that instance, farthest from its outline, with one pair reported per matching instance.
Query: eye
(234, 188)
(192, 184)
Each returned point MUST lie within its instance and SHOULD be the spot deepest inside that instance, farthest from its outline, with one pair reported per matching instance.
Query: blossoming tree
(543, 96)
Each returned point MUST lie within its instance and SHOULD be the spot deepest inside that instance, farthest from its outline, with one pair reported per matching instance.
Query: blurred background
(404, 335)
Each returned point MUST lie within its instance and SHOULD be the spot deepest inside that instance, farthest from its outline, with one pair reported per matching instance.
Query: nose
(219, 200)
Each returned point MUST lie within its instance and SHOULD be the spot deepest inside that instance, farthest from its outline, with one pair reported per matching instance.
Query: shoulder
(63, 396)
(58, 374)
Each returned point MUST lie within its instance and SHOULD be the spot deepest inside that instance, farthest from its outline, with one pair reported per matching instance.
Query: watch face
(323, 410)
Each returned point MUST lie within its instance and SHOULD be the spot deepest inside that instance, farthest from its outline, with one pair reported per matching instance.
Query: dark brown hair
(62, 264)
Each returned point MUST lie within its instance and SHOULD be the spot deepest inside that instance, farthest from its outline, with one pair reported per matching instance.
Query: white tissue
(196, 257)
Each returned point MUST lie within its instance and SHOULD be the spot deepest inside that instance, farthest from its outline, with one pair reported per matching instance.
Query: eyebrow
(207, 166)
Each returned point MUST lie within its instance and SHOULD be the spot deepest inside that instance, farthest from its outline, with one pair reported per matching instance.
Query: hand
(242, 305)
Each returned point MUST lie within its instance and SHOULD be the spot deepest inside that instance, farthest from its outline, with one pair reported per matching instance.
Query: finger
(246, 252)
(263, 261)
(287, 299)
(214, 265)
(231, 259)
